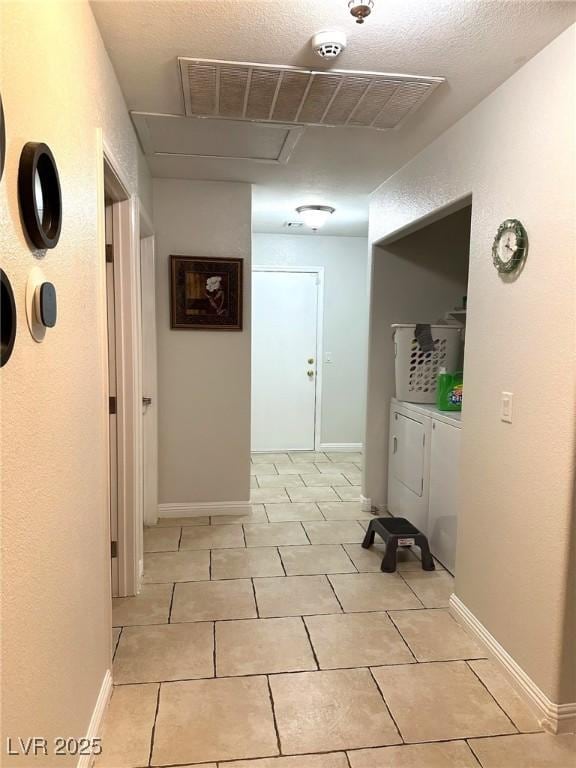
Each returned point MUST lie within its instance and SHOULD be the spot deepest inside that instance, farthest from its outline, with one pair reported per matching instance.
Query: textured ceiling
(474, 44)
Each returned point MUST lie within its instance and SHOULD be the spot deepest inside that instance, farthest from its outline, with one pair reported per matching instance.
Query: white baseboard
(202, 509)
(95, 726)
(554, 718)
(344, 447)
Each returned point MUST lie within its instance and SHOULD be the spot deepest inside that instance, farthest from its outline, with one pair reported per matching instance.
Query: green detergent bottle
(449, 390)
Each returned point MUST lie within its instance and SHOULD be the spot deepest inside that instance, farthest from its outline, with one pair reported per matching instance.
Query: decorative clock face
(510, 245)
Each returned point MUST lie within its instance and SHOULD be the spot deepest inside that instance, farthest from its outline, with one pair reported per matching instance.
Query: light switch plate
(506, 407)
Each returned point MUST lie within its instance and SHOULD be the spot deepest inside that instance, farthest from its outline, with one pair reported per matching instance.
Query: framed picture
(206, 294)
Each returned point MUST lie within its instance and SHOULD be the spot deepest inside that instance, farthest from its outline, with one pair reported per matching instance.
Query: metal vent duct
(283, 94)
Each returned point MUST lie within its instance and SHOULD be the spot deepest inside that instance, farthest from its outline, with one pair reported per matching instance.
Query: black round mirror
(7, 318)
(39, 195)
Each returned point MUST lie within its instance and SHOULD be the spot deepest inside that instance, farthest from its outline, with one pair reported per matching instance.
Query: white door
(149, 382)
(443, 504)
(285, 347)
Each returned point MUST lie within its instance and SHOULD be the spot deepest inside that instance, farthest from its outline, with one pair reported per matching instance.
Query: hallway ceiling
(474, 44)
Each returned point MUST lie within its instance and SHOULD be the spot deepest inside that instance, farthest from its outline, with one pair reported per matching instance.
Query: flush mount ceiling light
(360, 9)
(315, 216)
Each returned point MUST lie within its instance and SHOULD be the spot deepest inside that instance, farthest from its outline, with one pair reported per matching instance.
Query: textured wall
(203, 376)
(345, 260)
(57, 86)
(516, 154)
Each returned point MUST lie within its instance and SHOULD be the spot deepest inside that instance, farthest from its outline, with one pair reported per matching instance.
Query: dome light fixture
(315, 216)
(360, 9)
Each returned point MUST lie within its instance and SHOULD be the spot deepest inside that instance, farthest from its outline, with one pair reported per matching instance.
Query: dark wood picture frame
(206, 294)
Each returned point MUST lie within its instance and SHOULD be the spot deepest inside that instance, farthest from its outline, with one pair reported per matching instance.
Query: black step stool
(398, 532)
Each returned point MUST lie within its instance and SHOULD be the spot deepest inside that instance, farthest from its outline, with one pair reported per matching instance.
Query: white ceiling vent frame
(267, 93)
(140, 121)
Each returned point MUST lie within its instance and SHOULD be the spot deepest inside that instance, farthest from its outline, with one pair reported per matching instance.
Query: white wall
(415, 279)
(345, 261)
(203, 376)
(515, 153)
(58, 86)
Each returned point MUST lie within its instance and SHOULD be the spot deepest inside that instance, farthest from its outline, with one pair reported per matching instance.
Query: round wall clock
(39, 195)
(510, 246)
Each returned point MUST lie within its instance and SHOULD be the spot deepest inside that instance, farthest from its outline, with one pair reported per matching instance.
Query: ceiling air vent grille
(281, 94)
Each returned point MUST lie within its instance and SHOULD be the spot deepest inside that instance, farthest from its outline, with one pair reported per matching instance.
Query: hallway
(278, 635)
(183, 185)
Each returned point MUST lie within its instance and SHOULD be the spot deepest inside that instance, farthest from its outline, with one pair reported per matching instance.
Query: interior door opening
(287, 310)
(149, 374)
(120, 256)
(112, 394)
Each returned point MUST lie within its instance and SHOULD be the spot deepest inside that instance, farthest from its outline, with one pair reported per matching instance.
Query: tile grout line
(171, 602)
(346, 752)
(214, 650)
(409, 587)
(153, 734)
(386, 705)
(483, 684)
(281, 561)
(117, 643)
(307, 630)
(284, 616)
(349, 558)
(246, 675)
(471, 748)
(255, 598)
(335, 595)
(275, 576)
(180, 538)
(278, 742)
(402, 636)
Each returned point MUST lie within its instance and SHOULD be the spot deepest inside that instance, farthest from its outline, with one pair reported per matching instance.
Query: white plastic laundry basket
(416, 371)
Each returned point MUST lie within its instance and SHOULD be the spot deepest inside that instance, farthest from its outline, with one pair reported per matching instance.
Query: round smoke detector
(328, 44)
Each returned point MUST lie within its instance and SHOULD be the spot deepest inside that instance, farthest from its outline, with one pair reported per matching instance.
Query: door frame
(126, 227)
(319, 272)
(148, 252)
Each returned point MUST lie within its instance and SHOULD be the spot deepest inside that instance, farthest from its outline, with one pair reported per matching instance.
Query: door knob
(310, 373)
(310, 360)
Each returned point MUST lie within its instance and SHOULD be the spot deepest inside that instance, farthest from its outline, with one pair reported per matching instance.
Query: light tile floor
(274, 641)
